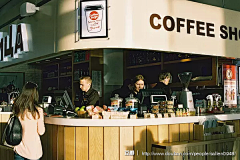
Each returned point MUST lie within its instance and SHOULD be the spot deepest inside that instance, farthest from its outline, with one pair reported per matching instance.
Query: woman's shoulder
(39, 109)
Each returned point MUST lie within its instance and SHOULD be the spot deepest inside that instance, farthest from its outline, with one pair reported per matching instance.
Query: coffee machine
(186, 97)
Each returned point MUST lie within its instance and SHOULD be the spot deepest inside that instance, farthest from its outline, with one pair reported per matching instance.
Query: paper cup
(94, 16)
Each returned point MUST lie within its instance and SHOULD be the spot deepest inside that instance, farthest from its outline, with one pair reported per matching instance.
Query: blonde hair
(87, 78)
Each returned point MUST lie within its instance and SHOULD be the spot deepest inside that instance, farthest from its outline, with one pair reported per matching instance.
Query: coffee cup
(94, 15)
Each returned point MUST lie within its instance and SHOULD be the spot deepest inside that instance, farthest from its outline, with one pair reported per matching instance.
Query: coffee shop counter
(111, 139)
(86, 122)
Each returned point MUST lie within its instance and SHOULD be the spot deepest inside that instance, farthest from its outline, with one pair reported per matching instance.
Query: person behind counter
(138, 84)
(124, 91)
(164, 79)
(90, 96)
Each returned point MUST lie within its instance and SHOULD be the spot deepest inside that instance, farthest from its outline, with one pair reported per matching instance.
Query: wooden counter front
(86, 139)
(112, 139)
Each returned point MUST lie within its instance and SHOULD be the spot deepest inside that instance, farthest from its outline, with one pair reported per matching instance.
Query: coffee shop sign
(200, 28)
(14, 44)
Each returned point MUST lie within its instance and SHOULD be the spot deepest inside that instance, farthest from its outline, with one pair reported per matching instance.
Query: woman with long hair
(138, 84)
(32, 120)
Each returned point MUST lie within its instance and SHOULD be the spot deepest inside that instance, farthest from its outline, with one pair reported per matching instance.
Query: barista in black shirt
(164, 79)
(124, 91)
(89, 95)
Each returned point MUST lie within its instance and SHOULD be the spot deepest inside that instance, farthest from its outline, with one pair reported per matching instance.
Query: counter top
(69, 121)
(5, 112)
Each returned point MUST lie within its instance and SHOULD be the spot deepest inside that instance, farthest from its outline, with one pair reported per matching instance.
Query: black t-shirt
(165, 89)
(123, 92)
(90, 97)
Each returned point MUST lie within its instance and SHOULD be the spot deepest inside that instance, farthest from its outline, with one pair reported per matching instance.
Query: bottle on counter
(177, 113)
(116, 101)
(131, 102)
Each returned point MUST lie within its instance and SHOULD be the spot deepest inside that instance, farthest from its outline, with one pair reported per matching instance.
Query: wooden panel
(139, 139)
(69, 143)
(191, 131)
(177, 150)
(198, 132)
(111, 143)
(212, 148)
(54, 141)
(238, 131)
(236, 125)
(44, 140)
(173, 132)
(4, 119)
(159, 157)
(229, 148)
(152, 137)
(10, 153)
(163, 133)
(60, 143)
(81, 143)
(126, 142)
(6, 153)
(201, 149)
(50, 140)
(184, 132)
(95, 143)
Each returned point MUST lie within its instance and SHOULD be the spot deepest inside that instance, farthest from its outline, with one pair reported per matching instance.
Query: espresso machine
(186, 97)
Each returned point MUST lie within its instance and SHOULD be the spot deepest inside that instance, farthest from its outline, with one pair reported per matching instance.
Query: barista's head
(85, 83)
(165, 77)
(138, 83)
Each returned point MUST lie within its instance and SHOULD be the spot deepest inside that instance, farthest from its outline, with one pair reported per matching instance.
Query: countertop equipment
(46, 101)
(132, 102)
(156, 98)
(186, 97)
(116, 101)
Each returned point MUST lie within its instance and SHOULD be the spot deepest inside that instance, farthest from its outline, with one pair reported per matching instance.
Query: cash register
(65, 106)
(149, 96)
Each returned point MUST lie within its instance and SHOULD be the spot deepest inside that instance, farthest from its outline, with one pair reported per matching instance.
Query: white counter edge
(134, 122)
(5, 112)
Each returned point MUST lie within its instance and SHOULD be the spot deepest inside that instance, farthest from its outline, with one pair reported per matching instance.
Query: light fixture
(28, 9)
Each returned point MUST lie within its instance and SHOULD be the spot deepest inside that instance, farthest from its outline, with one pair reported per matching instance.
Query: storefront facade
(172, 26)
(181, 27)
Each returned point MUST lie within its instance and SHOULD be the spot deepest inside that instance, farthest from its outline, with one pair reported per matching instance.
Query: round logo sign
(93, 15)
(229, 74)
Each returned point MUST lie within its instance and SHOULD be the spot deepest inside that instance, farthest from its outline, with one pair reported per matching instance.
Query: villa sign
(14, 44)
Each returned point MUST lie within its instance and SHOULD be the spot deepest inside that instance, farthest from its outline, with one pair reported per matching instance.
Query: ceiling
(6, 5)
(3, 3)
